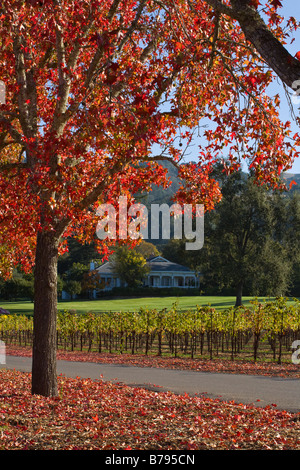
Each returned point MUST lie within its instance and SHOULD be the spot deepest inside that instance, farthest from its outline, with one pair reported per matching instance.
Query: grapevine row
(192, 333)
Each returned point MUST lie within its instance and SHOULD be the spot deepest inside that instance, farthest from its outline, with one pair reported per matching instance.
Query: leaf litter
(93, 414)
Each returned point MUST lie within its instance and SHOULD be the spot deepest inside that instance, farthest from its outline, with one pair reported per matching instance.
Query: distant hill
(159, 195)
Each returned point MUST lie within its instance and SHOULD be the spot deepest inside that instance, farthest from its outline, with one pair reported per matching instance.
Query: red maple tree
(91, 87)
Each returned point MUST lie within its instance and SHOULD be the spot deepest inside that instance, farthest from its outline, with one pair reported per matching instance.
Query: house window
(154, 281)
(166, 281)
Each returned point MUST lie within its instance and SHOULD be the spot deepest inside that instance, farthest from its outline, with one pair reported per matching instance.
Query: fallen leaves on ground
(217, 365)
(91, 414)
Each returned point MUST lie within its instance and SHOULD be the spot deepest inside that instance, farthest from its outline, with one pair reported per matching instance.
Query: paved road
(259, 390)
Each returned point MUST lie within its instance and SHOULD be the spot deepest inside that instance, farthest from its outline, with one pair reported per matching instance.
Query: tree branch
(16, 136)
(22, 83)
(63, 85)
(214, 41)
(261, 37)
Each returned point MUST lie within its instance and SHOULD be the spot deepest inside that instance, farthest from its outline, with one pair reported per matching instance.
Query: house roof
(106, 268)
(157, 264)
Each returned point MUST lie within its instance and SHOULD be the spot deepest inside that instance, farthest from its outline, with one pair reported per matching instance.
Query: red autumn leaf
(276, 3)
(280, 168)
(36, 423)
(298, 55)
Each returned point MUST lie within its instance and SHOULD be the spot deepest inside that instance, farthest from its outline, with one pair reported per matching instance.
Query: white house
(163, 273)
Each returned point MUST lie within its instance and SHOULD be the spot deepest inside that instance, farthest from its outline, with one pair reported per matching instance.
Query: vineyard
(266, 329)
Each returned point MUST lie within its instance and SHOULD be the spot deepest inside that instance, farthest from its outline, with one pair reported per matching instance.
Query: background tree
(175, 251)
(19, 285)
(91, 281)
(74, 277)
(77, 253)
(244, 248)
(146, 249)
(130, 266)
(91, 88)
(288, 233)
(73, 288)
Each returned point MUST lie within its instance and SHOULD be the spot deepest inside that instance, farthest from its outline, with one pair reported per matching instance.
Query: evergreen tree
(244, 247)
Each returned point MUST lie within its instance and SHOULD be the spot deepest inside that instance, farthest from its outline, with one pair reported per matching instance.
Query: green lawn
(130, 304)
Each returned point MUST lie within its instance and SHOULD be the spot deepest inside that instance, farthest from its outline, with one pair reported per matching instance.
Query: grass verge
(130, 304)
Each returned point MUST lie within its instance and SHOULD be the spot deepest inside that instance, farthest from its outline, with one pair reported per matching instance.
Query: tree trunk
(44, 376)
(239, 294)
